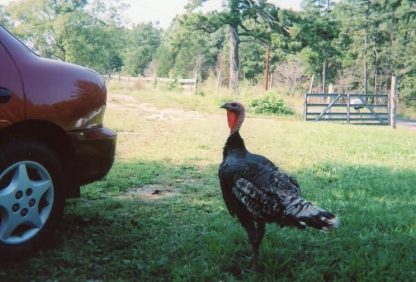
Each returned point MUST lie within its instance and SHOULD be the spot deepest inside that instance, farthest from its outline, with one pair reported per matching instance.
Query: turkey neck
(234, 143)
(235, 124)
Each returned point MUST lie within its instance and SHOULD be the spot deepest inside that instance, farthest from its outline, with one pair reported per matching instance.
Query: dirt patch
(119, 98)
(149, 192)
(150, 112)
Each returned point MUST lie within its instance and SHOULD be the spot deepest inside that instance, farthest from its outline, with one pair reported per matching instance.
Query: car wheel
(32, 196)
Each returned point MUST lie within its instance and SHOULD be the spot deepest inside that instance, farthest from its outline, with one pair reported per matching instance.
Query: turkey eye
(234, 104)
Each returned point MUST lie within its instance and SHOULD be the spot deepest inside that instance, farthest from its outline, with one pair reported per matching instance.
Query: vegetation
(119, 231)
(354, 44)
(243, 20)
(270, 104)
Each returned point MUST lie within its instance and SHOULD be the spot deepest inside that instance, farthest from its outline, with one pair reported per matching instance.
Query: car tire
(32, 196)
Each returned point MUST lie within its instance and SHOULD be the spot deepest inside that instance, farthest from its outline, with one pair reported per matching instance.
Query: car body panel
(71, 97)
(13, 110)
(94, 153)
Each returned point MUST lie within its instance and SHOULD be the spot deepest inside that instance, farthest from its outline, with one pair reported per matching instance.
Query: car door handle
(5, 95)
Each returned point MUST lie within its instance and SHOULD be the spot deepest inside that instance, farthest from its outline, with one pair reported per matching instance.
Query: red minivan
(52, 141)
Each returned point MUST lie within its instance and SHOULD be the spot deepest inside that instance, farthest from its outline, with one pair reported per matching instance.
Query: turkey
(257, 192)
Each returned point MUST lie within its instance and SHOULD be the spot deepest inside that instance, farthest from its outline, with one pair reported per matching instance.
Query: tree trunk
(234, 42)
(365, 50)
(266, 75)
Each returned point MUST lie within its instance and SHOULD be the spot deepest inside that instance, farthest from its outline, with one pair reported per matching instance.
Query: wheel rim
(26, 201)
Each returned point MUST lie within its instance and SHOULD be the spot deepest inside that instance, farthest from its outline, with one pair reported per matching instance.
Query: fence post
(218, 82)
(393, 101)
(305, 105)
(348, 108)
(155, 81)
(195, 80)
(311, 85)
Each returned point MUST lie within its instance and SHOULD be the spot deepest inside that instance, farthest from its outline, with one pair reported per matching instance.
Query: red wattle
(232, 119)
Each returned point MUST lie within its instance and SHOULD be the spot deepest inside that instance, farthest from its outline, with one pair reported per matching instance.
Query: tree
(252, 60)
(186, 52)
(165, 60)
(403, 41)
(143, 40)
(73, 31)
(4, 17)
(244, 19)
(291, 73)
(378, 36)
(317, 31)
(115, 63)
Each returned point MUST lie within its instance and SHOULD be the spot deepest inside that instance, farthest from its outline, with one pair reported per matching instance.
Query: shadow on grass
(191, 236)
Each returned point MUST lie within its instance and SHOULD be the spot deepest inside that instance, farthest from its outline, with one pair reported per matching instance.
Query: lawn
(159, 214)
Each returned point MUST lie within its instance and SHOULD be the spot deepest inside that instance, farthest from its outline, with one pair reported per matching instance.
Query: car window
(18, 40)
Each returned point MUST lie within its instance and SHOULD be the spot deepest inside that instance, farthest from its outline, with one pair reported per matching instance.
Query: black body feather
(256, 191)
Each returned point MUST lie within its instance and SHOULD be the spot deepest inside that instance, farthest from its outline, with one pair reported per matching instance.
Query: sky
(163, 11)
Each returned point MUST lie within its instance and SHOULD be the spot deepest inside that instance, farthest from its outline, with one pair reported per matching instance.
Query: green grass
(364, 174)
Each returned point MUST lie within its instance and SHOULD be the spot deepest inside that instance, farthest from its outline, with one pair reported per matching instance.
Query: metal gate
(372, 109)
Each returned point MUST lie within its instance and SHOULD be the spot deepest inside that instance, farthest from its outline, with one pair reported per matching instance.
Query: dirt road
(406, 123)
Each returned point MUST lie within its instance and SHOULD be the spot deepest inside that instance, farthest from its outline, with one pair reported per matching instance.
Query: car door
(12, 104)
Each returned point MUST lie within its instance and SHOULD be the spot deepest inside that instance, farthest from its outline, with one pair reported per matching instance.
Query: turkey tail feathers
(302, 213)
(282, 209)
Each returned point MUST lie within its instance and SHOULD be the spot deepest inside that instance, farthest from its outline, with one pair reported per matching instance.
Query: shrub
(172, 85)
(408, 91)
(200, 92)
(271, 103)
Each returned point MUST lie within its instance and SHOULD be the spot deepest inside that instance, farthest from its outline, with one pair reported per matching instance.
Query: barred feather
(280, 208)
(260, 204)
(307, 214)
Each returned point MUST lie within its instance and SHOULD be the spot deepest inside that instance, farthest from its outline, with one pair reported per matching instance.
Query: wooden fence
(185, 83)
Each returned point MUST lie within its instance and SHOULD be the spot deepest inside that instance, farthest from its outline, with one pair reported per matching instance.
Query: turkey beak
(225, 106)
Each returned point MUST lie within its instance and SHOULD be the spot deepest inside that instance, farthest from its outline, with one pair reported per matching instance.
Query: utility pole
(267, 67)
(324, 76)
(266, 75)
(390, 56)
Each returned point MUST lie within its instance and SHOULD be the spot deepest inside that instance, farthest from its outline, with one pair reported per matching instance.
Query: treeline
(356, 45)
